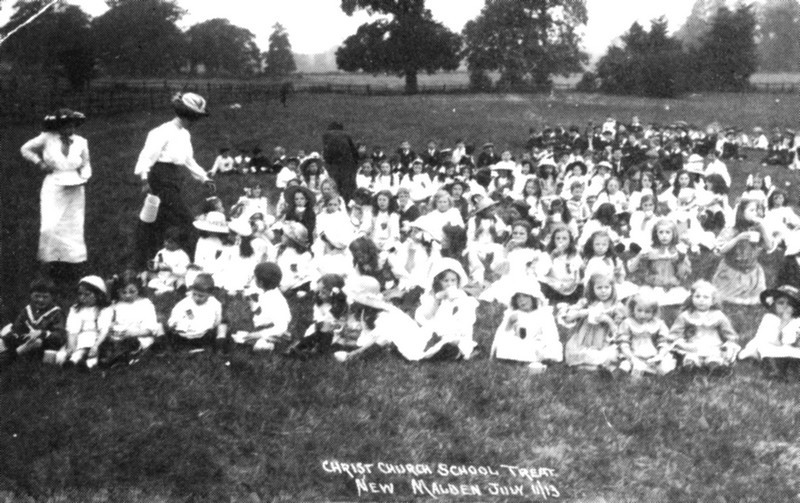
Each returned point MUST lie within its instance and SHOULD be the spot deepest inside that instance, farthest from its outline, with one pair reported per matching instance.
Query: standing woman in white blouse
(166, 154)
(64, 157)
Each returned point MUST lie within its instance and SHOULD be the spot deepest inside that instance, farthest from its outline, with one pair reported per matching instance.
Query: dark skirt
(165, 182)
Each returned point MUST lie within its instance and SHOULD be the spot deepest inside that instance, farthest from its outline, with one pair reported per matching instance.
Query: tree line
(135, 38)
(525, 42)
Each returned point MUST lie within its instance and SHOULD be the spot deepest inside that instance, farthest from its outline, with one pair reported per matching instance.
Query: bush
(479, 81)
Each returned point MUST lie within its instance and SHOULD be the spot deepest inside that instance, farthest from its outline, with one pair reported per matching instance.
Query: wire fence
(24, 103)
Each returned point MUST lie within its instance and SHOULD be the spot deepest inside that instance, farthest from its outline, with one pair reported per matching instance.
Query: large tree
(646, 64)
(406, 43)
(279, 60)
(223, 48)
(698, 22)
(779, 36)
(57, 43)
(526, 40)
(726, 56)
(140, 37)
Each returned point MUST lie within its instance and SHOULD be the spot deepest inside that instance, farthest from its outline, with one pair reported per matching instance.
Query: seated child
(334, 234)
(212, 228)
(528, 332)
(169, 264)
(196, 321)
(382, 324)
(775, 342)
(447, 311)
(271, 315)
(132, 326)
(39, 327)
(642, 336)
(85, 322)
(702, 333)
(330, 327)
(593, 325)
(664, 265)
(253, 201)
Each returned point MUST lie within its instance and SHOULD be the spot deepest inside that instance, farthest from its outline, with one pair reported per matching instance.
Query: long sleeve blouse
(169, 143)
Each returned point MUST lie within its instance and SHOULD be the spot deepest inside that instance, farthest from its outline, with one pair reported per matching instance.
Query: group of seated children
(586, 247)
(352, 318)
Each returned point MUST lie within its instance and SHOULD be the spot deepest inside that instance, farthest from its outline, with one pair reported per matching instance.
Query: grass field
(242, 428)
(456, 78)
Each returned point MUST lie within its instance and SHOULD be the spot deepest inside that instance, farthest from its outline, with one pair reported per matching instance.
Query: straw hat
(694, 165)
(604, 164)
(449, 264)
(241, 226)
(312, 157)
(483, 204)
(769, 296)
(96, 282)
(297, 232)
(190, 104)
(367, 291)
(427, 226)
(213, 221)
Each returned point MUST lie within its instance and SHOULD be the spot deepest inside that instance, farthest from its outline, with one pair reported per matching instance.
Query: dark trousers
(117, 351)
(13, 341)
(176, 341)
(165, 182)
(345, 178)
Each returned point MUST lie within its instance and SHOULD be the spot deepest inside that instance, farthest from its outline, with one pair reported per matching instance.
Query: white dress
(63, 196)
(532, 338)
(772, 340)
(452, 319)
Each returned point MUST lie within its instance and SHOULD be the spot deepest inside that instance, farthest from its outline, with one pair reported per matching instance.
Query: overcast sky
(317, 25)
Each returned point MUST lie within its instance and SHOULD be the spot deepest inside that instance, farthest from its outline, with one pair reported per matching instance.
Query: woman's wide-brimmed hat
(62, 117)
(367, 291)
(694, 165)
(296, 232)
(580, 164)
(213, 221)
(288, 194)
(191, 104)
(769, 296)
(449, 264)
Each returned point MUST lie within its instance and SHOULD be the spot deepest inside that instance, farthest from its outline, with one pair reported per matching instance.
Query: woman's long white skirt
(61, 237)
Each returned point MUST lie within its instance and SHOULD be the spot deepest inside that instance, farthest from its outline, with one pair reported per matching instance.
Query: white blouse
(47, 148)
(169, 143)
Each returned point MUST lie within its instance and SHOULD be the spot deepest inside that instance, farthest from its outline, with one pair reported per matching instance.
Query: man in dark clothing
(431, 156)
(488, 157)
(405, 156)
(341, 157)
